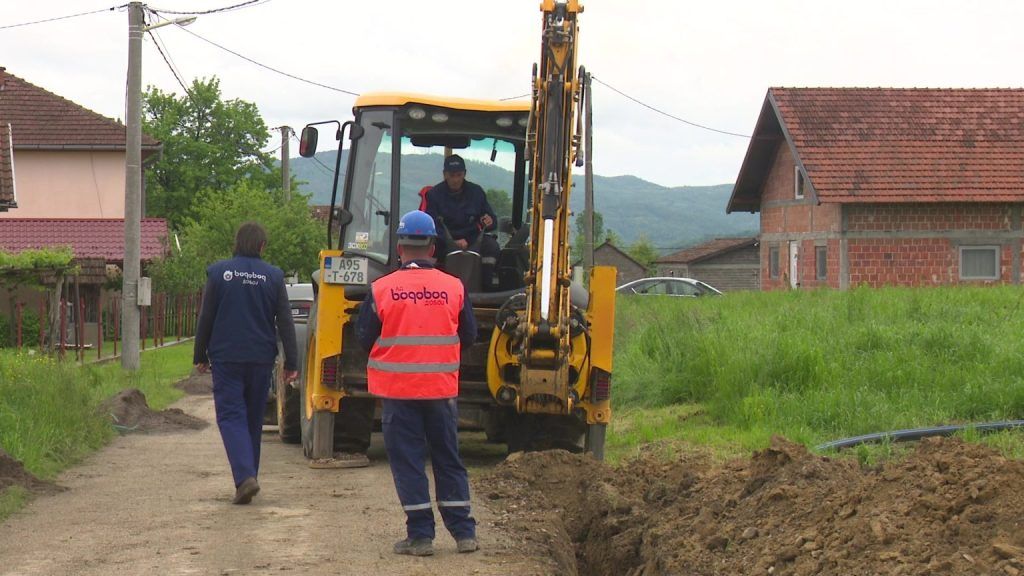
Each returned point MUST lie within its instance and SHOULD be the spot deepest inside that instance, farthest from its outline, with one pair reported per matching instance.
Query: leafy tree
(294, 237)
(500, 201)
(209, 145)
(580, 238)
(644, 252)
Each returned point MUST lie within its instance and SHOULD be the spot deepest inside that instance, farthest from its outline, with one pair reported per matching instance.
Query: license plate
(346, 270)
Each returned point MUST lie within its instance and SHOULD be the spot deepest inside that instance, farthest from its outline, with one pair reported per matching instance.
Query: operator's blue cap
(454, 163)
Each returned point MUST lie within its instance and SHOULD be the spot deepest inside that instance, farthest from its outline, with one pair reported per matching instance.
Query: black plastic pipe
(919, 433)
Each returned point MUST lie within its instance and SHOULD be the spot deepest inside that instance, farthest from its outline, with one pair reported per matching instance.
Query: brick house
(728, 264)
(876, 186)
(626, 268)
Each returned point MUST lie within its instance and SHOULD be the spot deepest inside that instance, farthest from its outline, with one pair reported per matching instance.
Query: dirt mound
(130, 413)
(13, 473)
(196, 383)
(948, 507)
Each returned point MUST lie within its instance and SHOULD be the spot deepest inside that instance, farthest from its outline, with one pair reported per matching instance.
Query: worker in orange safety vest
(415, 323)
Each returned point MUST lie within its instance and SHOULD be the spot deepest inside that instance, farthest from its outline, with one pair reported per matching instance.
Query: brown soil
(130, 413)
(196, 383)
(948, 507)
(12, 473)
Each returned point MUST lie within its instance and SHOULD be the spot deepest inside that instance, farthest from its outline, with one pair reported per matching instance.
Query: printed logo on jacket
(248, 278)
(420, 296)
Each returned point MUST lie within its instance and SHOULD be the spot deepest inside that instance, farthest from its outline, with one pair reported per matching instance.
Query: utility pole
(286, 179)
(588, 195)
(132, 192)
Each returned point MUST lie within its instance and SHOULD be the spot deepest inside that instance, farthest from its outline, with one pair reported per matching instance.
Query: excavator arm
(551, 347)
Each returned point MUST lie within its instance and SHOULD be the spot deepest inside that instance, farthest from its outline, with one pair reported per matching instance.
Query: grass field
(48, 409)
(815, 365)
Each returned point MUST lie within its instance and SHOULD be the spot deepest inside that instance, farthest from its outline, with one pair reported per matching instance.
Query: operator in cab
(415, 322)
(461, 207)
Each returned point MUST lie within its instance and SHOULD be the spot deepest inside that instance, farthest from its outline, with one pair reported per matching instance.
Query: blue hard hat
(416, 228)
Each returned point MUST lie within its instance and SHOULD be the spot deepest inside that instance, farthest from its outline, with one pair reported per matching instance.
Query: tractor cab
(398, 146)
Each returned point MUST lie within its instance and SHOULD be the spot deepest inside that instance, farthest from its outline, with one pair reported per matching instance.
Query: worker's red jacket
(417, 353)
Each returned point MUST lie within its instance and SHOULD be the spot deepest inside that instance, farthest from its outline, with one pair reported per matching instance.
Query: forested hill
(670, 217)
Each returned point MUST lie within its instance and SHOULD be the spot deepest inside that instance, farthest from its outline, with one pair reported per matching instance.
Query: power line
(213, 11)
(167, 60)
(663, 113)
(111, 9)
(272, 69)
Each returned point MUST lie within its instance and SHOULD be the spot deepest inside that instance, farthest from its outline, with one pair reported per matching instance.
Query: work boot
(465, 545)
(415, 547)
(246, 490)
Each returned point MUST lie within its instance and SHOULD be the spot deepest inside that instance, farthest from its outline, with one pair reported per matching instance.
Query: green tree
(209, 144)
(500, 201)
(580, 237)
(294, 237)
(644, 252)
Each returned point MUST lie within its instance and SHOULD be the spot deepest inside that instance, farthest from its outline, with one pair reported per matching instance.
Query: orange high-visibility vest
(417, 354)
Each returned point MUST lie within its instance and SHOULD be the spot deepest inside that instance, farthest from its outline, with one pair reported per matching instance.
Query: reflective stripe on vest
(418, 340)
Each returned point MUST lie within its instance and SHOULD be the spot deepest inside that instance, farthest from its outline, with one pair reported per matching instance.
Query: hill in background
(671, 218)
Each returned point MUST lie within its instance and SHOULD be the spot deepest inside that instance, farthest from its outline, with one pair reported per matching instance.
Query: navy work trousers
(240, 397)
(412, 429)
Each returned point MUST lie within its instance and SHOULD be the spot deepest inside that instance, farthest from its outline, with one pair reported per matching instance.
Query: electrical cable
(663, 113)
(111, 9)
(272, 69)
(919, 433)
(213, 11)
(167, 61)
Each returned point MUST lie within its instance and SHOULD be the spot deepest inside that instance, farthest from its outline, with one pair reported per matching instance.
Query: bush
(29, 329)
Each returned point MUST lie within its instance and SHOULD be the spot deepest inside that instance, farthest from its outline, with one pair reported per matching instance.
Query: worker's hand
(291, 375)
(486, 220)
(461, 244)
(203, 367)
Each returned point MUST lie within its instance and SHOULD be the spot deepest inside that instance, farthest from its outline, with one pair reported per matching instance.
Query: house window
(821, 262)
(979, 262)
(798, 183)
(773, 262)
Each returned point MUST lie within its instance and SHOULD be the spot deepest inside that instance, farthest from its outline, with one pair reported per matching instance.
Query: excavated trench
(947, 507)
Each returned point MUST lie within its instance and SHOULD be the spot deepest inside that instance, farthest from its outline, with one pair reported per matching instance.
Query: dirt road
(160, 504)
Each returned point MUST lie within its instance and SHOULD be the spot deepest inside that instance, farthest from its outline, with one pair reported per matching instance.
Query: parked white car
(668, 286)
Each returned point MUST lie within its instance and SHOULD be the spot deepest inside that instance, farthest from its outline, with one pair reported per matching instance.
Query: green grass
(815, 365)
(48, 415)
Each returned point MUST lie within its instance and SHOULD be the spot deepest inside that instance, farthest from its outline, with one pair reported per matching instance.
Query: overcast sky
(706, 62)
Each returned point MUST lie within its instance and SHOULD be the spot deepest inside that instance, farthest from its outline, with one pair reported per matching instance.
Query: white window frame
(774, 264)
(798, 183)
(993, 248)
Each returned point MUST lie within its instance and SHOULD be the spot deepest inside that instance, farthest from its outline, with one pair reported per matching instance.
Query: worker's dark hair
(250, 239)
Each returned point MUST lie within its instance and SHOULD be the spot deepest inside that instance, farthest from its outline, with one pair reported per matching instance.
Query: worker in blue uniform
(415, 322)
(245, 310)
(461, 207)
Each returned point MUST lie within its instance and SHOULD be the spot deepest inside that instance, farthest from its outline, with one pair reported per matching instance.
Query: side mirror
(344, 217)
(307, 145)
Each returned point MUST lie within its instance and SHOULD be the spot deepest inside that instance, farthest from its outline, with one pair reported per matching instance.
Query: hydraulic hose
(919, 433)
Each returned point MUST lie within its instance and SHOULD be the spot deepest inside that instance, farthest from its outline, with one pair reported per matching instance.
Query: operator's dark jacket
(368, 324)
(242, 299)
(461, 212)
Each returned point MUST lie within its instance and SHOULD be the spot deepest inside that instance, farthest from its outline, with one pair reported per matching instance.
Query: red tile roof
(88, 238)
(894, 144)
(707, 250)
(42, 120)
(7, 198)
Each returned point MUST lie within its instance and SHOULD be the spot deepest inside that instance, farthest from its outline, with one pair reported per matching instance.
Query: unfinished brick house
(726, 263)
(878, 186)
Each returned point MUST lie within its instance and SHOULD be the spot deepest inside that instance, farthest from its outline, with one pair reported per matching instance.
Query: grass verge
(815, 366)
(48, 409)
